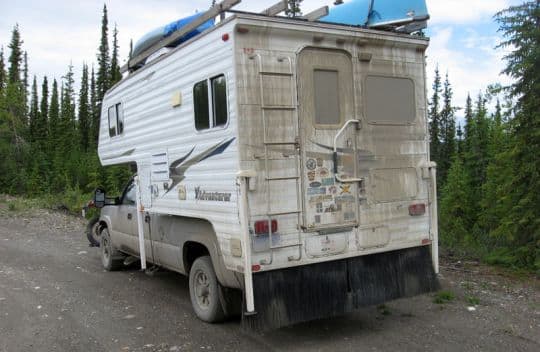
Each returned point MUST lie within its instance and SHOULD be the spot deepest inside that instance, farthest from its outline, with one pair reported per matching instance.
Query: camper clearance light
(417, 209)
(261, 227)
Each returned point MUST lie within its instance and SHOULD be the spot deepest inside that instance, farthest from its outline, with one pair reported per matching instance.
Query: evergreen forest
(488, 162)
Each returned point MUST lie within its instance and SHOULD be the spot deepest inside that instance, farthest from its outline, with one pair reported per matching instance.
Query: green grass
(473, 301)
(383, 309)
(443, 297)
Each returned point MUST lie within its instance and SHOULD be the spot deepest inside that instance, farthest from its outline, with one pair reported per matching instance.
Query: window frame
(118, 110)
(389, 123)
(211, 110)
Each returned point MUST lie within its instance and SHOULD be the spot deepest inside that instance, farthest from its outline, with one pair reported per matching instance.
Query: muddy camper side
(293, 154)
(333, 124)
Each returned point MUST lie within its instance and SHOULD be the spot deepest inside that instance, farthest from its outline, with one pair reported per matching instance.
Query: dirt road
(55, 296)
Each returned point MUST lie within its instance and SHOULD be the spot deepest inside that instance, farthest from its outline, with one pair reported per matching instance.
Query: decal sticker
(327, 181)
(331, 209)
(345, 189)
(212, 196)
(182, 195)
(178, 168)
(311, 175)
(315, 184)
(344, 199)
(315, 191)
(323, 172)
(311, 164)
(319, 162)
(332, 189)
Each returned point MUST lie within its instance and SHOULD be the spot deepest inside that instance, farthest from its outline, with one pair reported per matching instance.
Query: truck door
(327, 122)
(124, 221)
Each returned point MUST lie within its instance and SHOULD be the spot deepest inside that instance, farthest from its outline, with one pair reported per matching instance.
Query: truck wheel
(204, 291)
(110, 258)
(93, 231)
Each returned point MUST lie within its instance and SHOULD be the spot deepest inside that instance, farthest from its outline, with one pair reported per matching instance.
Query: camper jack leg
(243, 178)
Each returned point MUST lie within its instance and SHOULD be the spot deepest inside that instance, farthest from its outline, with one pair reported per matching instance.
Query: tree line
(489, 169)
(488, 164)
(48, 131)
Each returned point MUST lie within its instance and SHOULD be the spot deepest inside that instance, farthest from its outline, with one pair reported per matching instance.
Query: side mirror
(99, 198)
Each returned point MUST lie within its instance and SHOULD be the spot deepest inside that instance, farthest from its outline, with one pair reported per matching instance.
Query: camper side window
(116, 120)
(210, 103)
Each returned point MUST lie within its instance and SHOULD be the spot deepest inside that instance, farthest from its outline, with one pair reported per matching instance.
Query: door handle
(335, 154)
(129, 216)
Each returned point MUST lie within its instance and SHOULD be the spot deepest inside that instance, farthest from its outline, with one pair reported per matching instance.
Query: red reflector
(242, 30)
(255, 267)
(225, 37)
(261, 227)
(417, 209)
(426, 241)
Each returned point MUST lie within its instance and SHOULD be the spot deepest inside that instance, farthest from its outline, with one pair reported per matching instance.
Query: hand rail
(335, 156)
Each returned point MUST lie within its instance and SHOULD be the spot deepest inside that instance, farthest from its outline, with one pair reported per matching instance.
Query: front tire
(204, 291)
(110, 258)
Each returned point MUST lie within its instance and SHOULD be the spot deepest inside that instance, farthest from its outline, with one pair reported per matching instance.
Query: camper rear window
(390, 100)
(116, 120)
(210, 103)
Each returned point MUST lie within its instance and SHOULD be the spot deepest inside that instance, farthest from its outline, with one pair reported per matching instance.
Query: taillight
(261, 227)
(417, 209)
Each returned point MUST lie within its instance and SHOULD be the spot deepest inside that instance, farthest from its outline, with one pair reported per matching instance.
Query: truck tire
(110, 258)
(93, 231)
(204, 291)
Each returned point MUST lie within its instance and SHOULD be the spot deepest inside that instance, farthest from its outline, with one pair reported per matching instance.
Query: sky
(463, 35)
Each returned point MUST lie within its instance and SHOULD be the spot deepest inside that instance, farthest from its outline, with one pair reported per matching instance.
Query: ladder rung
(282, 178)
(280, 143)
(284, 213)
(270, 73)
(278, 107)
(287, 246)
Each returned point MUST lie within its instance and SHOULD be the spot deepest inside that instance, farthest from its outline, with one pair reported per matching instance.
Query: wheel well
(192, 251)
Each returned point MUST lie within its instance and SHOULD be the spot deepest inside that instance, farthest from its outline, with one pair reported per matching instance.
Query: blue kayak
(374, 13)
(157, 34)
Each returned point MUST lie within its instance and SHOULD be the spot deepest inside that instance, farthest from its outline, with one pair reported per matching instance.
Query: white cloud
(463, 11)
(471, 70)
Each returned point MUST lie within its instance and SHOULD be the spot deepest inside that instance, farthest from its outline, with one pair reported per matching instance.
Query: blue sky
(55, 32)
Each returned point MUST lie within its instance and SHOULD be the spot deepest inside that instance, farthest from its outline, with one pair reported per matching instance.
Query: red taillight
(261, 227)
(225, 37)
(91, 204)
(255, 267)
(417, 209)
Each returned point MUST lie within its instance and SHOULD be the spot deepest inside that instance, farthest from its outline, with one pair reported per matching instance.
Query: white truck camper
(281, 160)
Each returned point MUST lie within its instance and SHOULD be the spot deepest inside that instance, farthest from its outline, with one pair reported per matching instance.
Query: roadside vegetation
(488, 165)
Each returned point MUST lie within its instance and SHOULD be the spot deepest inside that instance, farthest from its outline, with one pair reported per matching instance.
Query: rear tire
(204, 291)
(93, 231)
(110, 258)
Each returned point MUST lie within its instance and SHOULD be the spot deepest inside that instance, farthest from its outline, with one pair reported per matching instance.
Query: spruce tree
(25, 78)
(15, 56)
(54, 119)
(103, 59)
(94, 110)
(34, 111)
(84, 110)
(455, 207)
(3, 73)
(115, 75)
(447, 131)
(520, 26)
(434, 118)
(43, 123)
(293, 8)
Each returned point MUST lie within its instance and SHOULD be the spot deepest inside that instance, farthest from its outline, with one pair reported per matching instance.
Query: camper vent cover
(160, 167)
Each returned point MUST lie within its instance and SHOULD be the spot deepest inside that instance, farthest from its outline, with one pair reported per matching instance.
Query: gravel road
(55, 296)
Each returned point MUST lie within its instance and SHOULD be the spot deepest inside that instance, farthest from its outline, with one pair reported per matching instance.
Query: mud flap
(303, 293)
